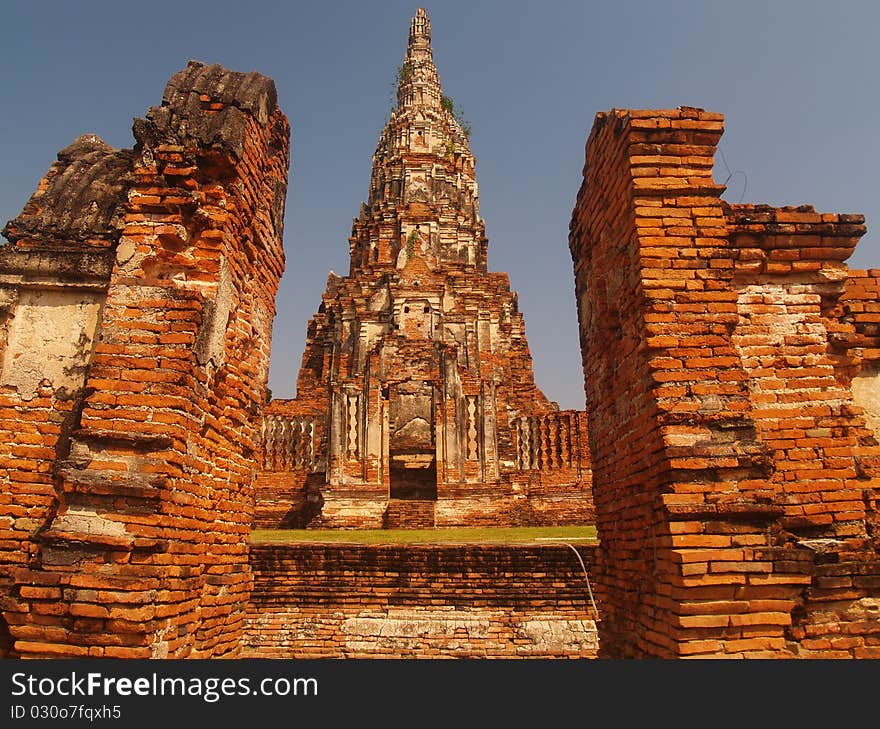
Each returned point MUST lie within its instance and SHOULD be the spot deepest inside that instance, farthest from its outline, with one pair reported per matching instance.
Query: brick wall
(126, 532)
(53, 282)
(421, 601)
(856, 338)
(734, 474)
(861, 302)
(282, 500)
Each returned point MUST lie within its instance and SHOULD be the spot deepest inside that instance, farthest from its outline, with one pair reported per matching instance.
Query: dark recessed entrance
(412, 460)
(413, 476)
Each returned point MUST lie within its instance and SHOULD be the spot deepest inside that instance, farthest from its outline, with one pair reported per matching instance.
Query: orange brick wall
(856, 334)
(47, 258)
(421, 601)
(282, 501)
(735, 479)
(137, 546)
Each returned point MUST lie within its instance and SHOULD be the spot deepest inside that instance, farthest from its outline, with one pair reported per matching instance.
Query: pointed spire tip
(420, 26)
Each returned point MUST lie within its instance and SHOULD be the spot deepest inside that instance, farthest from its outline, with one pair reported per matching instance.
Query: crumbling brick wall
(857, 335)
(53, 282)
(552, 483)
(130, 448)
(734, 475)
(419, 601)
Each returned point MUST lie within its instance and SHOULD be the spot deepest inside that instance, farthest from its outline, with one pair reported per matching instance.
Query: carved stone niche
(412, 452)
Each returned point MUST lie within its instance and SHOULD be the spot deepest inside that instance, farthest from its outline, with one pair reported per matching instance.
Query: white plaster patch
(867, 608)
(687, 439)
(558, 635)
(371, 332)
(400, 631)
(866, 393)
(88, 521)
(125, 253)
(50, 338)
(408, 630)
(210, 344)
(417, 624)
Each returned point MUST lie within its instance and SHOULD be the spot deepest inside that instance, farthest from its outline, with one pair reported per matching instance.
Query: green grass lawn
(488, 535)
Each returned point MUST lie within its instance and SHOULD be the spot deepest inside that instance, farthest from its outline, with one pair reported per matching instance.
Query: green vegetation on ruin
(469, 535)
(411, 243)
(449, 105)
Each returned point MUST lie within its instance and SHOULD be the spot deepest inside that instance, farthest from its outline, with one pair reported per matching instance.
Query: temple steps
(409, 514)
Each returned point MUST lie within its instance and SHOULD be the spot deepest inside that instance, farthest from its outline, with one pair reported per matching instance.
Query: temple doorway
(412, 453)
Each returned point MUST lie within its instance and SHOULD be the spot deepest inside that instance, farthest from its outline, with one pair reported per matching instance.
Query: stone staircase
(409, 514)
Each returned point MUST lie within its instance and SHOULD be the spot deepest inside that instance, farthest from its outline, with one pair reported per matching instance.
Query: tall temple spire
(423, 186)
(420, 28)
(418, 82)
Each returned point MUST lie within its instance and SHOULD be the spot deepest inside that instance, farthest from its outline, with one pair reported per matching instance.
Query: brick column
(706, 547)
(144, 553)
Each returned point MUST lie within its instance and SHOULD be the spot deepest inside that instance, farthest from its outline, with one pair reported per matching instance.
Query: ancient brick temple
(731, 364)
(416, 403)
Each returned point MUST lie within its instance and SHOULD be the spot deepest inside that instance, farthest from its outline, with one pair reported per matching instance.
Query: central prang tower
(423, 192)
(416, 404)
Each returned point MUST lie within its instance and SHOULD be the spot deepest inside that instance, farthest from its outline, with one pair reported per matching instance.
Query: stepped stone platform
(409, 514)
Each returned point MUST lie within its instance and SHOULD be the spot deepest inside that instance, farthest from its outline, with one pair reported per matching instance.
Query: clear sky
(797, 81)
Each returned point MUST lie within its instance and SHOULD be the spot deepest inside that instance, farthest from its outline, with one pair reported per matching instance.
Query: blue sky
(797, 81)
